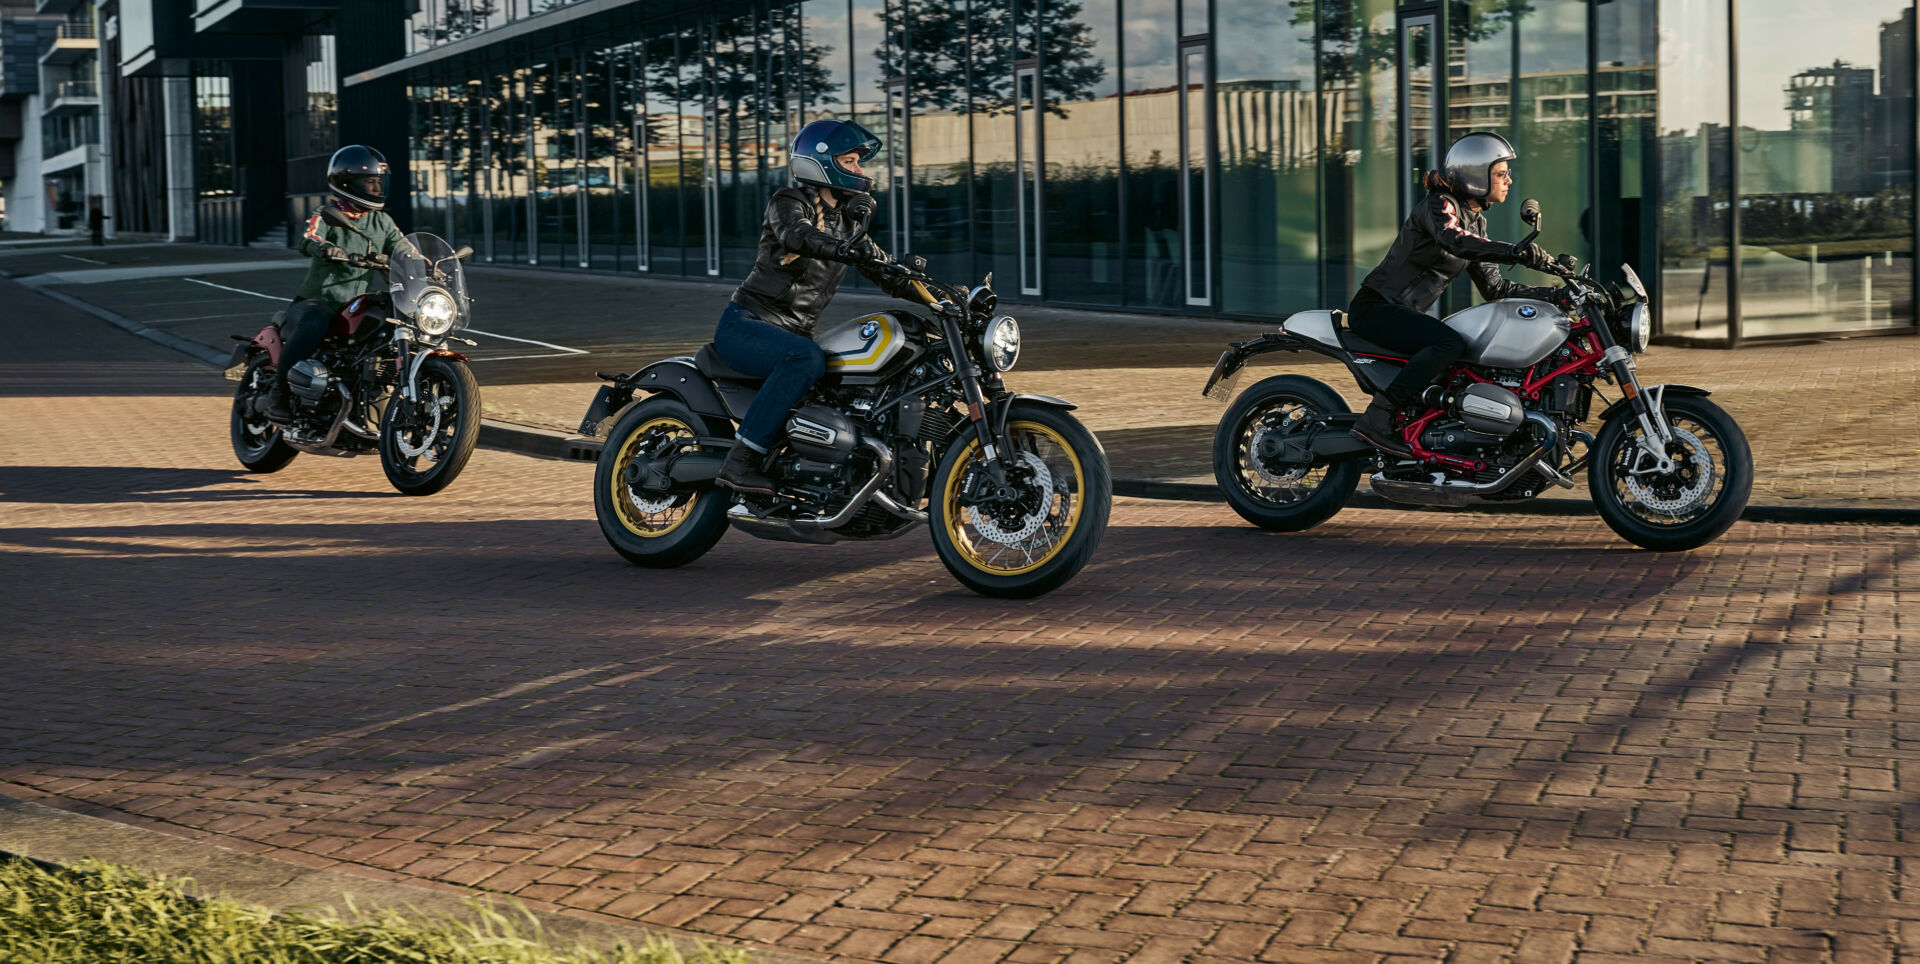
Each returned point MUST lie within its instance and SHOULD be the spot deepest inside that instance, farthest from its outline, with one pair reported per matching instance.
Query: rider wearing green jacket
(357, 179)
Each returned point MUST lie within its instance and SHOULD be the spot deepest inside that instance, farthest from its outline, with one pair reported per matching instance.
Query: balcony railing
(78, 31)
(76, 89)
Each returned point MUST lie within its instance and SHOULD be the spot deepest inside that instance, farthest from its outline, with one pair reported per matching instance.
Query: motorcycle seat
(710, 365)
(1352, 342)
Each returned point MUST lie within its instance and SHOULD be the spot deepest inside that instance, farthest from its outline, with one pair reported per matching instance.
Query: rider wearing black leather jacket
(1444, 236)
(767, 330)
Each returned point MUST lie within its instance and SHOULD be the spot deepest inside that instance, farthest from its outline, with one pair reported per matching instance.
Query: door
(1027, 175)
(1196, 172)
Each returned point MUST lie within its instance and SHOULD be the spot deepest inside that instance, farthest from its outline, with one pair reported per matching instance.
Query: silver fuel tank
(1511, 333)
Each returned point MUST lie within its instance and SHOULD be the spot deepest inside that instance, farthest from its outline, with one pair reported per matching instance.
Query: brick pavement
(1397, 738)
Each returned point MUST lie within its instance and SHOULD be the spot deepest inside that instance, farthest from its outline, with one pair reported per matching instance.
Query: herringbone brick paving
(1409, 737)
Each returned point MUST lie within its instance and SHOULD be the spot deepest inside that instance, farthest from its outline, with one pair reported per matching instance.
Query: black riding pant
(302, 332)
(1433, 346)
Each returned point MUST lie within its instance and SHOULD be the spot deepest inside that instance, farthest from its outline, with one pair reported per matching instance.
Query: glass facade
(1239, 157)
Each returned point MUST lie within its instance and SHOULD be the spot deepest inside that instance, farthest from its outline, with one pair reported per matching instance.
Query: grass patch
(98, 913)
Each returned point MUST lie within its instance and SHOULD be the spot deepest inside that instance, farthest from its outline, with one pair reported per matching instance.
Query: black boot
(744, 471)
(280, 402)
(1376, 429)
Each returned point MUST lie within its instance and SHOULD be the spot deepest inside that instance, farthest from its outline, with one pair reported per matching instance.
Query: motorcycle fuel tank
(1511, 333)
(864, 345)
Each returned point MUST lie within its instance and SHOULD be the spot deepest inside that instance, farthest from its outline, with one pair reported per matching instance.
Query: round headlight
(436, 314)
(1000, 343)
(1639, 327)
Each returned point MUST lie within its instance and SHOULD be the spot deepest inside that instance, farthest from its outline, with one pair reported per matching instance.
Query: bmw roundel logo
(869, 329)
(1528, 311)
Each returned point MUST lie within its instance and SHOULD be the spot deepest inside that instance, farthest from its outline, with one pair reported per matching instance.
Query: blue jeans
(789, 362)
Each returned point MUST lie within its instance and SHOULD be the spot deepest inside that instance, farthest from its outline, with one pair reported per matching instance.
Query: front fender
(1661, 391)
(413, 370)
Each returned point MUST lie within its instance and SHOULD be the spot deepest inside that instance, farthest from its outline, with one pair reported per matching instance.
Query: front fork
(991, 431)
(1648, 406)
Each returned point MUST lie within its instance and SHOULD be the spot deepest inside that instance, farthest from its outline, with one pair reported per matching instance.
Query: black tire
(1684, 509)
(685, 525)
(1281, 504)
(1057, 440)
(256, 441)
(445, 437)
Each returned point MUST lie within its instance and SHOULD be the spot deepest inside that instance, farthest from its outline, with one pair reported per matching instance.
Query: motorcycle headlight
(1000, 343)
(1639, 327)
(436, 313)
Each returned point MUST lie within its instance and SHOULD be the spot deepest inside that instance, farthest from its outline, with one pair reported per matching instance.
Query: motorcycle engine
(310, 380)
(1481, 417)
(820, 433)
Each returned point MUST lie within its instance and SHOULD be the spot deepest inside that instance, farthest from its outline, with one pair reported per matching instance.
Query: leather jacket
(799, 266)
(1443, 237)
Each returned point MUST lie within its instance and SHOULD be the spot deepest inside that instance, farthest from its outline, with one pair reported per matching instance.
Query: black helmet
(1470, 162)
(813, 152)
(358, 174)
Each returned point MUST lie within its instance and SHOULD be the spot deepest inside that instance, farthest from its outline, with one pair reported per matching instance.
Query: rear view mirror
(334, 216)
(1530, 212)
(463, 252)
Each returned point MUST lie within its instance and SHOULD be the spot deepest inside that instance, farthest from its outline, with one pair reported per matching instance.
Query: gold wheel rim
(1000, 559)
(636, 519)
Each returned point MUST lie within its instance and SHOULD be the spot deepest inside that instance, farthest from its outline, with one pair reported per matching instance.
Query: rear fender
(676, 377)
(1237, 353)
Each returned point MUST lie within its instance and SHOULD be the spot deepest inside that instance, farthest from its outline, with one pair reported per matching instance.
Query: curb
(51, 836)
(527, 440)
(548, 444)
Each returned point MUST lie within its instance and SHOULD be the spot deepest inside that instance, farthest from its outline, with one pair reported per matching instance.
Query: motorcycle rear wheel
(1683, 509)
(256, 441)
(657, 530)
(1299, 499)
(443, 437)
(1036, 550)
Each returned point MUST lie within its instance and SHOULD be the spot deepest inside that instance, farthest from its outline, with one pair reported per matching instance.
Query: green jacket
(336, 284)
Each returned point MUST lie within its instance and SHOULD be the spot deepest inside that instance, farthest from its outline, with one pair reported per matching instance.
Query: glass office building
(1246, 158)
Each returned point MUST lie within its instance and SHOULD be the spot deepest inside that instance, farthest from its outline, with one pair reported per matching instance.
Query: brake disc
(434, 403)
(1684, 494)
(1031, 522)
(1259, 465)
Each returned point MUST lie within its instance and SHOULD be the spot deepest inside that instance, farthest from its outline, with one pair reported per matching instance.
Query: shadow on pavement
(88, 484)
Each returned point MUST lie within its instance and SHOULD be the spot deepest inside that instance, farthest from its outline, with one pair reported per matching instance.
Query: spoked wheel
(256, 441)
(1687, 506)
(1277, 497)
(424, 443)
(650, 524)
(1032, 537)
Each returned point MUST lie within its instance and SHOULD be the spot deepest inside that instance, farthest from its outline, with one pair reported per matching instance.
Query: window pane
(1628, 151)
(607, 220)
(1694, 175)
(1826, 172)
(1362, 171)
(1081, 192)
(1269, 245)
(996, 234)
(1151, 106)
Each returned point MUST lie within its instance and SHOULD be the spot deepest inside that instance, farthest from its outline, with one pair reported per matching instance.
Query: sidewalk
(1822, 434)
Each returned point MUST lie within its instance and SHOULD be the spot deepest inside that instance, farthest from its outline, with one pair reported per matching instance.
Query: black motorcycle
(382, 380)
(911, 424)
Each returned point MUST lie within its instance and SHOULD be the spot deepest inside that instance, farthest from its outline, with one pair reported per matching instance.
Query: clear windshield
(422, 263)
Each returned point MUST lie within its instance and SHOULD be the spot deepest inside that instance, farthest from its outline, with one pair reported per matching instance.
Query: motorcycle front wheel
(424, 443)
(662, 529)
(1281, 501)
(1033, 541)
(1687, 507)
(256, 441)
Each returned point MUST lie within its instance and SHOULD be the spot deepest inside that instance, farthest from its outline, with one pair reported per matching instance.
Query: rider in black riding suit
(767, 330)
(1445, 235)
(357, 179)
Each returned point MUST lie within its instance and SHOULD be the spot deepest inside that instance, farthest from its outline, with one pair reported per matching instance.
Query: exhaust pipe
(1453, 494)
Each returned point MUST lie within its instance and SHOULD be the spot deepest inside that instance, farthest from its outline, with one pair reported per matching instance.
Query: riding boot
(280, 402)
(744, 471)
(1376, 428)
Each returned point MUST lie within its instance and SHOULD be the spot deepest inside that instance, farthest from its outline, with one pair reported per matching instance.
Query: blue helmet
(814, 150)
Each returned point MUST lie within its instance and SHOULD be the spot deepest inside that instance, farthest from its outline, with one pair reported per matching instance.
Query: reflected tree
(933, 53)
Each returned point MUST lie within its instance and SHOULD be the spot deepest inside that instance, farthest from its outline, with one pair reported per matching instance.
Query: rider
(1445, 235)
(357, 179)
(767, 329)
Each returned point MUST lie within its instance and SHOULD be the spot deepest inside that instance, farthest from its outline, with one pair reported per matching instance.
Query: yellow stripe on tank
(870, 355)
